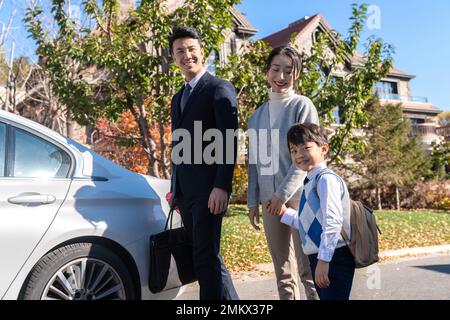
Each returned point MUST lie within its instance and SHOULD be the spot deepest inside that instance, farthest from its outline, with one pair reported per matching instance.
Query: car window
(2, 148)
(37, 158)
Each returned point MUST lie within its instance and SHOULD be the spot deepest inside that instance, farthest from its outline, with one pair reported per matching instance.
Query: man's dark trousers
(212, 103)
(213, 277)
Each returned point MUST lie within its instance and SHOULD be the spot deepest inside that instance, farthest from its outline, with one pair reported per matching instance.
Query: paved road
(425, 278)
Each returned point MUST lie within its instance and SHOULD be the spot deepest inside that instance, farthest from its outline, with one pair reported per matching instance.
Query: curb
(267, 268)
(390, 254)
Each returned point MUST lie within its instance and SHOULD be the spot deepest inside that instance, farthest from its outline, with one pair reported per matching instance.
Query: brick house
(395, 88)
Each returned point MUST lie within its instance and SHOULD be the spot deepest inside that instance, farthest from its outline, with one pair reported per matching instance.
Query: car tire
(80, 271)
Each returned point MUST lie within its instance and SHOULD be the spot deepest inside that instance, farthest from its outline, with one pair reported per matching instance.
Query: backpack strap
(344, 234)
(345, 237)
(322, 172)
(325, 171)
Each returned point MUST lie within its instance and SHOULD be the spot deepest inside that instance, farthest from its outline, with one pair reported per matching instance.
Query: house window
(337, 115)
(417, 121)
(233, 44)
(212, 61)
(315, 35)
(386, 89)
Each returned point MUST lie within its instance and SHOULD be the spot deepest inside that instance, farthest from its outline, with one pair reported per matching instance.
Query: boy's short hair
(183, 32)
(303, 133)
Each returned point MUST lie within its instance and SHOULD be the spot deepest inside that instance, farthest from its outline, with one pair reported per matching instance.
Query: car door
(34, 180)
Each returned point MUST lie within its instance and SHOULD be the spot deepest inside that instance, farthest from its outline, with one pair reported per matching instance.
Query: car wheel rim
(85, 279)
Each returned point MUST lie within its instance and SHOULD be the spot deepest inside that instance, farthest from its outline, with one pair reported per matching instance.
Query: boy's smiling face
(307, 156)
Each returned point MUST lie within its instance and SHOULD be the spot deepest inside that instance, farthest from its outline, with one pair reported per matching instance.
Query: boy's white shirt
(331, 209)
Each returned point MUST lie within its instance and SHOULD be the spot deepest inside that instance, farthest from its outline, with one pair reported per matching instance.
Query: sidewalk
(267, 268)
(401, 274)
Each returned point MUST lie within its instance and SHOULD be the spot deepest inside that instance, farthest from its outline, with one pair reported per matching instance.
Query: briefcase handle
(170, 219)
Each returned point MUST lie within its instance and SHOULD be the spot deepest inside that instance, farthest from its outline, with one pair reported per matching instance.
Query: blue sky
(18, 33)
(418, 29)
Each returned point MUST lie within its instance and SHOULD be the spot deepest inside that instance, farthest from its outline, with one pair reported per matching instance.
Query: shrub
(240, 184)
(428, 195)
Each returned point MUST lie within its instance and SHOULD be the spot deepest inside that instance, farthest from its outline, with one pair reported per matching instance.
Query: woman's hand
(274, 206)
(321, 277)
(253, 214)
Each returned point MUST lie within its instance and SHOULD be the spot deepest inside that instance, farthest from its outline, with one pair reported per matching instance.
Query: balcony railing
(444, 131)
(422, 130)
(390, 96)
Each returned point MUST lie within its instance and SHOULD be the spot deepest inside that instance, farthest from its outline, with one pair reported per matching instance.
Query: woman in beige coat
(272, 178)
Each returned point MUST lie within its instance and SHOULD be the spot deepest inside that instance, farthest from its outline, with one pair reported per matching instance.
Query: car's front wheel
(81, 271)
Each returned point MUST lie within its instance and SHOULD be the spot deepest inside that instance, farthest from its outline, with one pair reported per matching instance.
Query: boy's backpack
(364, 231)
(364, 237)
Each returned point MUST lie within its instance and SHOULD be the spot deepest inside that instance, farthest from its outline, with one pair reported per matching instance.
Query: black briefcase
(171, 262)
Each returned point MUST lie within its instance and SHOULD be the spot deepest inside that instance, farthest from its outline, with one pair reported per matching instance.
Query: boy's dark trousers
(341, 272)
(213, 277)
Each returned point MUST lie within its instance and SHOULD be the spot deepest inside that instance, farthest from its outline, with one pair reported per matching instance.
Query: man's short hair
(303, 133)
(183, 32)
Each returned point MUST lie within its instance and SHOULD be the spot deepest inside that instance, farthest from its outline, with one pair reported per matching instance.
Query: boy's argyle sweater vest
(310, 215)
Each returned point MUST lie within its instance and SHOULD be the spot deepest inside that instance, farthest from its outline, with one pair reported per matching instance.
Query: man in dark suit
(202, 189)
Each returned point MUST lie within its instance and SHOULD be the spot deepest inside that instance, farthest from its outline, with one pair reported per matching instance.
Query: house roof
(283, 37)
(400, 73)
(244, 25)
(358, 59)
(416, 107)
(410, 106)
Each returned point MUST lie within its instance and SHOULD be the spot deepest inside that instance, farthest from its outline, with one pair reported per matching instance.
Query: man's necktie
(185, 96)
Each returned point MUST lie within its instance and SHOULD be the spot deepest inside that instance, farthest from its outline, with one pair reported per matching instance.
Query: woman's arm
(253, 187)
(291, 182)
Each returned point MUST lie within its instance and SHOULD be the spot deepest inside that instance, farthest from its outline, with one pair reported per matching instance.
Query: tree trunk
(397, 197)
(70, 127)
(147, 142)
(9, 80)
(379, 198)
(162, 142)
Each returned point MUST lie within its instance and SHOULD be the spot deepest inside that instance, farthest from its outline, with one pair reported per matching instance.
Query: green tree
(391, 157)
(21, 71)
(137, 74)
(130, 59)
(444, 118)
(440, 160)
(318, 80)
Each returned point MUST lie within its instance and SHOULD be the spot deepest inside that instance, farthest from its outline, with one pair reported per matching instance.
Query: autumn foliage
(119, 142)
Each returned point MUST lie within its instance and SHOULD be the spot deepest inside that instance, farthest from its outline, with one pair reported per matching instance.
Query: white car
(73, 225)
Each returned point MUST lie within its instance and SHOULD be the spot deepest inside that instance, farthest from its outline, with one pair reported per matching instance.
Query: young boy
(324, 209)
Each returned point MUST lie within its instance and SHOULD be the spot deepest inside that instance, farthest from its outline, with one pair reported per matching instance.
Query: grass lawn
(242, 247)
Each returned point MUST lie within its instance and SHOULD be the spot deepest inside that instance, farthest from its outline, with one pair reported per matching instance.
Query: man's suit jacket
(213, 102)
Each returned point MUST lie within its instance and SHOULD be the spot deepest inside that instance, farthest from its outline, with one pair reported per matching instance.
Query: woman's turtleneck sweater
(277, 103)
